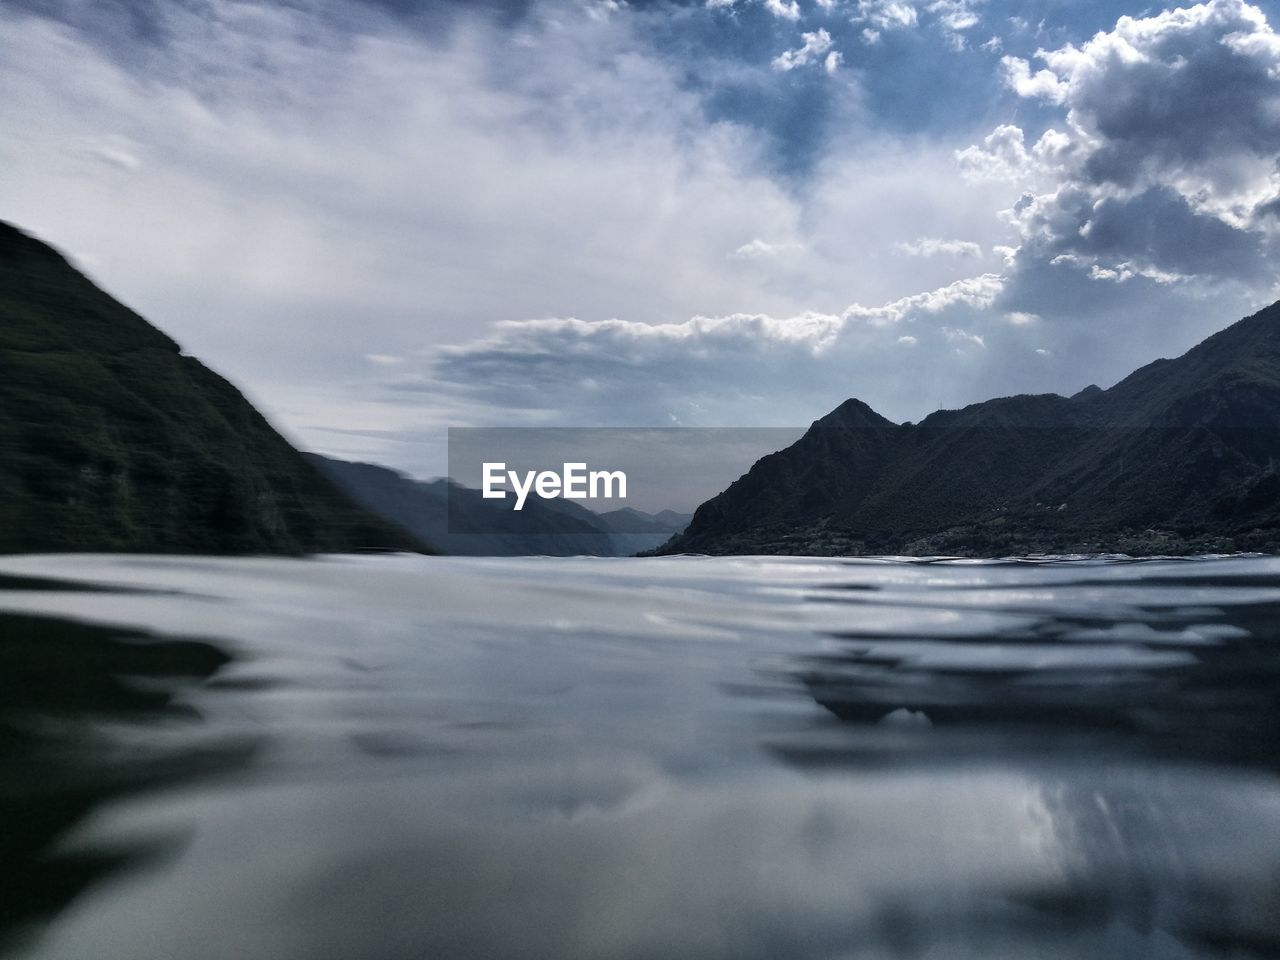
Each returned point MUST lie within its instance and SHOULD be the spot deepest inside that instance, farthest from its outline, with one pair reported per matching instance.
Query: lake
(393, 757)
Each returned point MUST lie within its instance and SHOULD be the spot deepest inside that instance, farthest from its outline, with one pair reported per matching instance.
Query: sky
(382, 218)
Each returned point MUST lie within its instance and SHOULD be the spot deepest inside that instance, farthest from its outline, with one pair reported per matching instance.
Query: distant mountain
(1181, 456)
(671, 519)
(112, 440)
(630, 520)
(459, 521)
(635, 531)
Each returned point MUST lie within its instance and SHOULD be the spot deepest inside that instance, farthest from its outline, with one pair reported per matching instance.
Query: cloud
(1043, 83)
(315, 189)
(626, 213)
(116, 153)
(813, 46)
(1164, 159)
(1005, 156)
(704, 370)
(759, 249)
(974, 292)
(887, 14)
(1188, 99)
(786, 9)
(953, 17)
(963, 338)
(955, 14)
(309, 188)
(934, 247)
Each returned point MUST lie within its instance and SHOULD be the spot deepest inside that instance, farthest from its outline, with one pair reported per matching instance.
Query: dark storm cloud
(1152, 183)
(1157, 229)
(1203, 90)
(1188, 100)
(1161, 226)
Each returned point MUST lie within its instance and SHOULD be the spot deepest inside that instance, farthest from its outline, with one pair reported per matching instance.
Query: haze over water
(684, 757)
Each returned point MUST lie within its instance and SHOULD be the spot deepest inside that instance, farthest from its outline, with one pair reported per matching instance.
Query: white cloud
(1043, 83)
(934, 247)
(813, 46)
(117, 153)
(759, 249)
(786, 9)
(603, 9)
(955, 16)
(702, 370)
(1004, 155)
(963, 338)
(976, 292)
(1123, 271)
(887, 14)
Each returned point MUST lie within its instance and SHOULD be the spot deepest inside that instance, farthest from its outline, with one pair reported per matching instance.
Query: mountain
(459, 521)
(631, 520)
(112, 440)
(672, 520)
(1179, 457)
(634, 531)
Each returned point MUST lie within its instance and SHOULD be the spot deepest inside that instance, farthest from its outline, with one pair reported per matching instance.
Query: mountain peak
(1180, 456)
(853, 413)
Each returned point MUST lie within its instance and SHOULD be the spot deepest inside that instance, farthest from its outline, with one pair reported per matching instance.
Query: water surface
(385, 758)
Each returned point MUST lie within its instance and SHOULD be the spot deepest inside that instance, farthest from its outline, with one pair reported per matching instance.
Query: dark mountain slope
(1180, 456)
(111, 439)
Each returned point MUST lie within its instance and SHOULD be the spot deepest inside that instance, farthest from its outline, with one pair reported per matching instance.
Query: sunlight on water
(401, 757)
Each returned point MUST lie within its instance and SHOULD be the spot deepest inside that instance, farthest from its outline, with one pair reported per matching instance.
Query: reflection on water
(393, 757)
(59, 683)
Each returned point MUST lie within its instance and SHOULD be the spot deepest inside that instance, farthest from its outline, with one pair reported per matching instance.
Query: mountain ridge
(1179, 456)
(112, 439)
